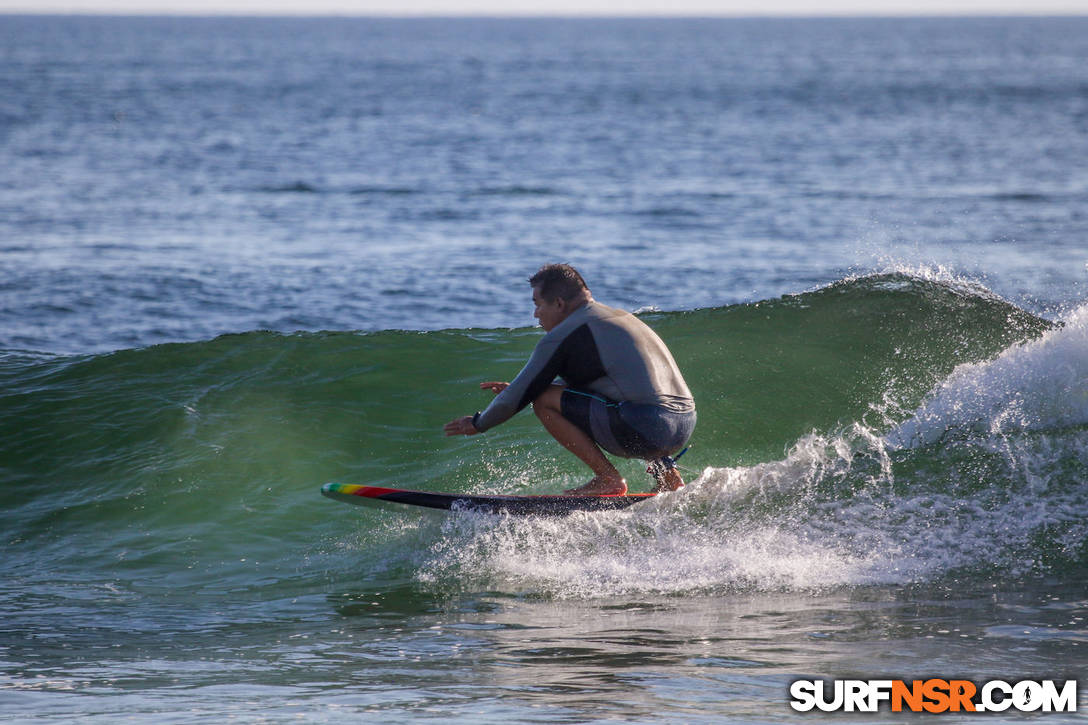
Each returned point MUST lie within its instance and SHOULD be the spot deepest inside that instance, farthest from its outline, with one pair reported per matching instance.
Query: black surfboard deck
(547, 505)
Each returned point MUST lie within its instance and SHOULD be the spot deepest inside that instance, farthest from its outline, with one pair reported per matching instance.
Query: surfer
(621, 390)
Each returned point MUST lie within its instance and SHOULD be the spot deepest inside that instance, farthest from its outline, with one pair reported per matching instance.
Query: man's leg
(607, 480)
(665, 479)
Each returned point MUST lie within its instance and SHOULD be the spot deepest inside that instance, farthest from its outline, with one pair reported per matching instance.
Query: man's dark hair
(558, 281)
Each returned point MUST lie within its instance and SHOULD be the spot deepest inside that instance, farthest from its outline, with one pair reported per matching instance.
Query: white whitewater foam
(1036, 385)
(822, 517)
(726, 529)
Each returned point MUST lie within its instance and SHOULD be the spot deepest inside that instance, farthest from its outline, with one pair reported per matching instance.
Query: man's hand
(461, 427)
(494, 387)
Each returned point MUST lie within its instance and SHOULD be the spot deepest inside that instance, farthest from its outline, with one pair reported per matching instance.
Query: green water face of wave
(199, 464)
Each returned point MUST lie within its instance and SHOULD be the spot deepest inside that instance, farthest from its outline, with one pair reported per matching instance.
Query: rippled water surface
(242, 258)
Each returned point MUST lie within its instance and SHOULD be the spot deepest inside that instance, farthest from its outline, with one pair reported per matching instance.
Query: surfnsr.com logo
(933, 695)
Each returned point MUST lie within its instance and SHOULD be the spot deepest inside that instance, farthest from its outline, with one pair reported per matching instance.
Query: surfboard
(546, 505)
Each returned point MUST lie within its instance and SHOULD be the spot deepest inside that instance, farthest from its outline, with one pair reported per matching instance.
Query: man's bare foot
(600, 487)
(671, 481)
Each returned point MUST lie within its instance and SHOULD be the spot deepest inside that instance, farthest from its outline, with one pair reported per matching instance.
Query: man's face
(550, 314)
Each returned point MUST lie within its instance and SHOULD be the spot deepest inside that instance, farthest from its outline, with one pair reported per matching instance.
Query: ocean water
(240, 258)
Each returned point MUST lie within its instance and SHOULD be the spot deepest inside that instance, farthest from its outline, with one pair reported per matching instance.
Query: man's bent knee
(550, 401)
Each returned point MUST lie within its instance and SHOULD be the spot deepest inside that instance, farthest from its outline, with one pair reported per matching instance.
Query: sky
(553, 7)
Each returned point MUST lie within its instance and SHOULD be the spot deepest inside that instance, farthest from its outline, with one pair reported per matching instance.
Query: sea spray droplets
(732, 528)
(838, 510)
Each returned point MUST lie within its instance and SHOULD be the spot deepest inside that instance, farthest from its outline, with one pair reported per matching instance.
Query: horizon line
(767, 14)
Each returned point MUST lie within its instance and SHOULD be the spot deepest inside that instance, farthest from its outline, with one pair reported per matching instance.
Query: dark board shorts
(630, 430)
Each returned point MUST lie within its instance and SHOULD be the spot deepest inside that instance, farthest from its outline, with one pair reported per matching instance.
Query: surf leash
(659, 466)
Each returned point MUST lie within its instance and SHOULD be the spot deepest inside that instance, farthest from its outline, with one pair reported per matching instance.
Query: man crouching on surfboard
(621, 392)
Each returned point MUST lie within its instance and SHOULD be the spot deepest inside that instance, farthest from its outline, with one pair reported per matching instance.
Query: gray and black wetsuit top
(599, 350)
